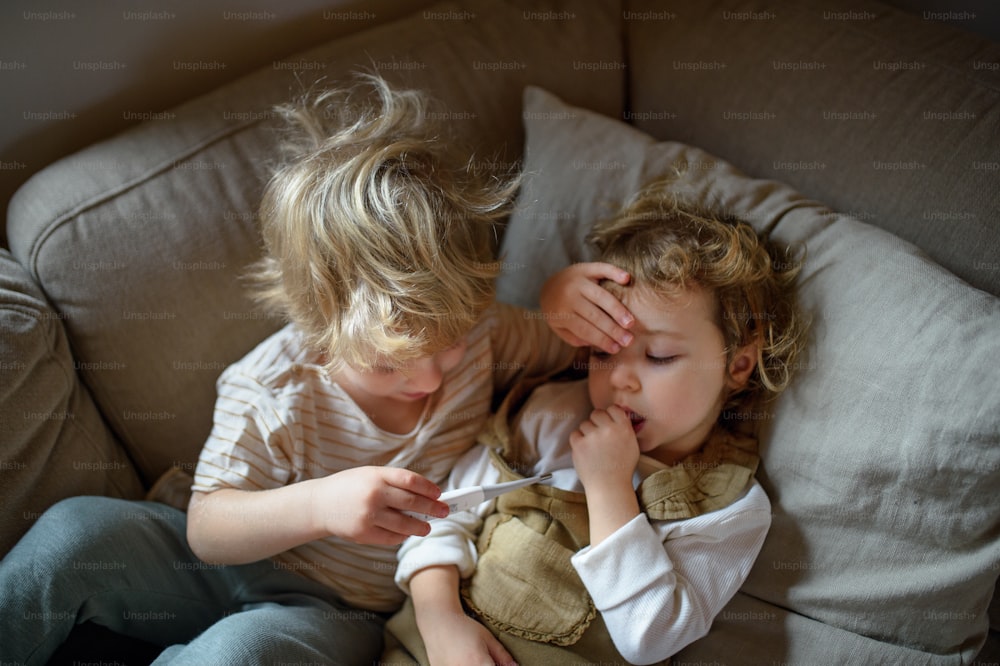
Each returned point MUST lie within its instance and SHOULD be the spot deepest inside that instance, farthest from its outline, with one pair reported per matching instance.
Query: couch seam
(116, 191)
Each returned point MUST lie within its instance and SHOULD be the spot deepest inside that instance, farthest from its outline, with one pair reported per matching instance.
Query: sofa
(863, 135)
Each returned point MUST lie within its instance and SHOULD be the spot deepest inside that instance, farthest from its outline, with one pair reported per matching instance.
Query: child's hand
(365, 504)
(461, 640)
(605, 450)
(451, 637)
(582, 312)
(605, 455)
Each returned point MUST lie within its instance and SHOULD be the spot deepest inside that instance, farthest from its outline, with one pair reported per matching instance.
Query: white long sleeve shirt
(657, 584)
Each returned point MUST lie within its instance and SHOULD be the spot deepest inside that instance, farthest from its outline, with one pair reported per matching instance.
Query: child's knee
(80, 527)
(67, 519)
(59, 540)
(273, 633)
(82, 517)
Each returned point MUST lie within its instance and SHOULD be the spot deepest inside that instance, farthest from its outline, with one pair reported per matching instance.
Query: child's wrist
(319, 513)
(610, 510)
(435, 591)
(609, 479)
(608, 489)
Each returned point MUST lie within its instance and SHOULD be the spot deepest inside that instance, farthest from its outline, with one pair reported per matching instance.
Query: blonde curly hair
(379, 235)
(669, 246)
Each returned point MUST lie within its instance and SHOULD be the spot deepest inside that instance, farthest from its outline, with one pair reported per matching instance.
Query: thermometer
(463, 499)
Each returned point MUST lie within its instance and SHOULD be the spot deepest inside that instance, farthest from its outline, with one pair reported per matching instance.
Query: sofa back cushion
(877, 112)
(881, 459)
(138, 242)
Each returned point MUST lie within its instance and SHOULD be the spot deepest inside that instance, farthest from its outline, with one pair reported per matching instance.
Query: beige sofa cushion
(139, 241)
(883, 458)
(857, 104)
(53, 443)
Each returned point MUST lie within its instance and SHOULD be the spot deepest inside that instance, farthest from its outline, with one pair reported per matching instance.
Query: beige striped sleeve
(249, 440)
(523, 343)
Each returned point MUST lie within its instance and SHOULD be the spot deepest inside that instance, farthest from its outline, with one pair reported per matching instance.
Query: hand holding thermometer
(463, 499)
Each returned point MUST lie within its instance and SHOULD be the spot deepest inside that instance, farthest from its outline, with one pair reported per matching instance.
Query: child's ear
(741, 366)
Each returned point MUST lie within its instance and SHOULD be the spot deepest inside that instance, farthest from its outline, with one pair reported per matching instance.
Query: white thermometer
(463, 499)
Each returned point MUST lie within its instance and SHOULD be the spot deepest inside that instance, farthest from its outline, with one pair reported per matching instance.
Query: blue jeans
(127, 566)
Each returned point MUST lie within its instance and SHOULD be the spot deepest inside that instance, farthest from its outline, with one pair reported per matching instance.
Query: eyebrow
(665, 332)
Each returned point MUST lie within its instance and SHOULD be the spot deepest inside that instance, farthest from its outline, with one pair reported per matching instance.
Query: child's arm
(430, 569)
(605, 455)
(249, 502)
(679, 576)
(582, 312)
(450, 636)
(364, 504)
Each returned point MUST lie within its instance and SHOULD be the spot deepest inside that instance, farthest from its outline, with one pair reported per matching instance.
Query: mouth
(637, 420)
(416, 395)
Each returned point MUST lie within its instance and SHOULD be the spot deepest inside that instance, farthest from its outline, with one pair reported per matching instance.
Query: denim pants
(127, 566)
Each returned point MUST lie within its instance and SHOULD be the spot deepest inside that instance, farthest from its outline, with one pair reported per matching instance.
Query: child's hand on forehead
(583, 313)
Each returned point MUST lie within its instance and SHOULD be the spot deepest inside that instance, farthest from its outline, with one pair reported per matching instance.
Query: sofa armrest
(53, 442)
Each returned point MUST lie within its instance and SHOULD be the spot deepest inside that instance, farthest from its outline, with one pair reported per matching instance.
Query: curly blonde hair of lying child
(379, 234)
(668, 246)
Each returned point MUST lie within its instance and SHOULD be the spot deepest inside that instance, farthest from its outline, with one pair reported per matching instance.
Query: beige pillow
(882, 460)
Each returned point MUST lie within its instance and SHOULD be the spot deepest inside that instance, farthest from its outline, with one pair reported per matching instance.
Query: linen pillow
(881, 460)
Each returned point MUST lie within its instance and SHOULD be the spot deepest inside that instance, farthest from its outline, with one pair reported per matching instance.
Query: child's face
(673, 378)
(409, 381)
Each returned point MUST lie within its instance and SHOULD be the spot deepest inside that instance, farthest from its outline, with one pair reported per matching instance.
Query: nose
(623, 376)
(425, 375)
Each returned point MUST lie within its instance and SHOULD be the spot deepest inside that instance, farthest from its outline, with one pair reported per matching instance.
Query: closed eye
(662, 360)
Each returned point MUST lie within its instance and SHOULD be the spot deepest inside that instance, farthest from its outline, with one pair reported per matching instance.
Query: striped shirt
(279, 419)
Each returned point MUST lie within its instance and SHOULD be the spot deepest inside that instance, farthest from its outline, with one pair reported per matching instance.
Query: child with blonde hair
(654, 518)
(379, 252)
